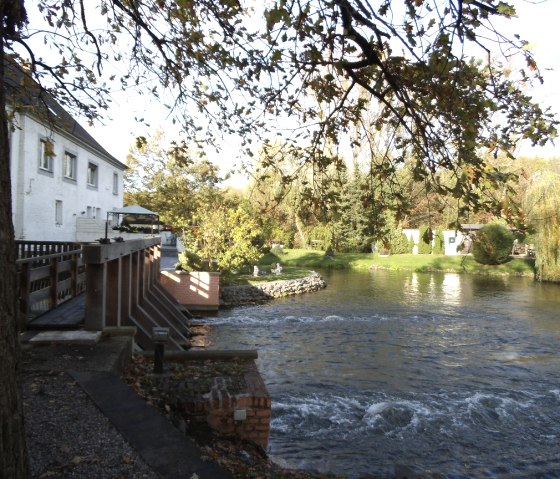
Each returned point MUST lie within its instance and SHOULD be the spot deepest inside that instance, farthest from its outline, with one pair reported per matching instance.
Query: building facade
(61, 176)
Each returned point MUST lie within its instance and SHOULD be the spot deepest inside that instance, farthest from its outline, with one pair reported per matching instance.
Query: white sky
(537, 22)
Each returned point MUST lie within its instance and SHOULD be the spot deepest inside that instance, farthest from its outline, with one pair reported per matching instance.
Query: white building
(454, 241)
(63, 181)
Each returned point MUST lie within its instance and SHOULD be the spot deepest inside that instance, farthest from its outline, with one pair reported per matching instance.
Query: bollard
(160, 336)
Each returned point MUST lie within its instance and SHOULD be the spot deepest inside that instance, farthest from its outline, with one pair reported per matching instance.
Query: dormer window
(46, 154)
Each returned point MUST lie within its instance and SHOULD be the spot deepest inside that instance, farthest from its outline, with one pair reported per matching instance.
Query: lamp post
(160, 336)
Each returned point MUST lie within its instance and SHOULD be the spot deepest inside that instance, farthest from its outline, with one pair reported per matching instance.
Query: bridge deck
(69, 315)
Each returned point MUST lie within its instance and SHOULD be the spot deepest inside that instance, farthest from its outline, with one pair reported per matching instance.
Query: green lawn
(298, 260)
(298, 263)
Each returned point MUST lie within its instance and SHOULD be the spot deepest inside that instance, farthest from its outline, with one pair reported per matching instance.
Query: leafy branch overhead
(408, 83)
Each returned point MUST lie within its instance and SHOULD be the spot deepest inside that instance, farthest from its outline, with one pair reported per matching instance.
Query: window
(115, 183)
(58, 212)
(92, 174)
(69, 166)
(46, 154)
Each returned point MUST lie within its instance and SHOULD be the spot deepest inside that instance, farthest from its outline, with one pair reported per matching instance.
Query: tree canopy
(324, 74)
(414, 85)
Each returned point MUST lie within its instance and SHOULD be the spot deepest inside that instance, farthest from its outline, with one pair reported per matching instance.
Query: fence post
(53, 266)
(24, 285)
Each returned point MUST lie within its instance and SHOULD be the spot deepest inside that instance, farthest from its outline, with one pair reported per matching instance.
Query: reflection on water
(452, 374)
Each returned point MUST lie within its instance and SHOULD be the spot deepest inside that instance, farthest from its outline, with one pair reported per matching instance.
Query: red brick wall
(220, 405)
(195, 290)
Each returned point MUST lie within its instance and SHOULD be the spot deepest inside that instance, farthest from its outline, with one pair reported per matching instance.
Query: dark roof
(23, 90)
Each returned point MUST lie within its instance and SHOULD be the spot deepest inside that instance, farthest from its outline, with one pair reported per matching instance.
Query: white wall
(452, 240)
(35, 191)
(415, 234)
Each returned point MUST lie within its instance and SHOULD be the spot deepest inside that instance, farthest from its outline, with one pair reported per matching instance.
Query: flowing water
(383, 371)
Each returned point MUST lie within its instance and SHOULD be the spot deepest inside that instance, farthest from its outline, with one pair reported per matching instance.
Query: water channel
(443, 374)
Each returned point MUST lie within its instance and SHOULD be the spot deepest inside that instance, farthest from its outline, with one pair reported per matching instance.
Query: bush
(411, 244)
(425, 243)
(492, 244)
(439, 242)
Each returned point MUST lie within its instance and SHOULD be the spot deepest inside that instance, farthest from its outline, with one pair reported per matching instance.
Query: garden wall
(195, 290)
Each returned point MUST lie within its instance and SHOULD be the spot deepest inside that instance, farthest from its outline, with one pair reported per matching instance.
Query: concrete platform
(68, 337)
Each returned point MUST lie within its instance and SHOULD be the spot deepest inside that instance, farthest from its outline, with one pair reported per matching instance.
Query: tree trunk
(300, 230)
(13, 458)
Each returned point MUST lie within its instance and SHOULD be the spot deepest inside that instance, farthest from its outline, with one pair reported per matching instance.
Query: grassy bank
(297, 263)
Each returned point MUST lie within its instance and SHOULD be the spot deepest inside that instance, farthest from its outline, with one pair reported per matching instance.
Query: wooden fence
(49, 273)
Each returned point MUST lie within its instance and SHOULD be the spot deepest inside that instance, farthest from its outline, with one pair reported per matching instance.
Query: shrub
(425, 243)
(399, 244)
(411, 244)
(439, 242)
(492, 244)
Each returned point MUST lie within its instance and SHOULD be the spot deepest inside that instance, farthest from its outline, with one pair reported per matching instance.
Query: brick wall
(195, 290)
(244, 416)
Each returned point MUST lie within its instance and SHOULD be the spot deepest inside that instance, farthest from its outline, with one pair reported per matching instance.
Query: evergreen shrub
(492, 244)
(439, 242)
(425, 243)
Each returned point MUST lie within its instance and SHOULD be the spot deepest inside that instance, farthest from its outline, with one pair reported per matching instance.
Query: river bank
(419, 263)
(237, 295)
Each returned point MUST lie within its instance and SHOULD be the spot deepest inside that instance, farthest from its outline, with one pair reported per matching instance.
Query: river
(443, 374)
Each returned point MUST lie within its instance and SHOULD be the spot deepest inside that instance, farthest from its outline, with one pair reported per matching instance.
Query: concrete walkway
(96, 368)
(163, 447)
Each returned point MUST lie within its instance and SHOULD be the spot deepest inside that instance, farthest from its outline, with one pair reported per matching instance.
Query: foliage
(407, 262)
(439, 242)
(492, 244)
(425, 243)
(326, 63)
(167, 178)
(225, 240)
(411, 244)
(189, 261)
(543, 207)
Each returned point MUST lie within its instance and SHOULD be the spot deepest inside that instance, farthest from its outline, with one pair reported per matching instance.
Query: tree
(225, 239)
(543, 208)
(439, 242)
(425, 242)
(13, 456)
(168, 179)
(492, 244)
(444, 109)
(323, 64)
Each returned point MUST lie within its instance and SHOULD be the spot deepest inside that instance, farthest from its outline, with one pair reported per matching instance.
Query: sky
(537, 22)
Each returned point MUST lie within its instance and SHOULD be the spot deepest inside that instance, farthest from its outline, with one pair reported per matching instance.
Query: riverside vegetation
(297, 263)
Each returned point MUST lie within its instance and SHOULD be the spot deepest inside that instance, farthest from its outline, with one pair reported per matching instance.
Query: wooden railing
(49, 273)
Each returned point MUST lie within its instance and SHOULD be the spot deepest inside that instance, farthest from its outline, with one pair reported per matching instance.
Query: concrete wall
(452, 240)
(196, 290)
(36, 190)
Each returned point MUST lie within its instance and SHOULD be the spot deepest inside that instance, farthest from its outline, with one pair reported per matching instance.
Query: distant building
(63, 181)
(456, 242)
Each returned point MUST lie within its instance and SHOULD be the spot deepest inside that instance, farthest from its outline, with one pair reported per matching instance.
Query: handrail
(33, 259)
(47, 280)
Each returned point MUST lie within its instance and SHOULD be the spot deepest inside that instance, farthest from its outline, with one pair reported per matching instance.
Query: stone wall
(248, 294)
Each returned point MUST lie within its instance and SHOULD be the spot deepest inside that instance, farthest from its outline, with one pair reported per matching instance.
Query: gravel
(67, 436)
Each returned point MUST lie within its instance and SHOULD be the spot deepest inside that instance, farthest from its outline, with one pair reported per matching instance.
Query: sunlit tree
(543, 208)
